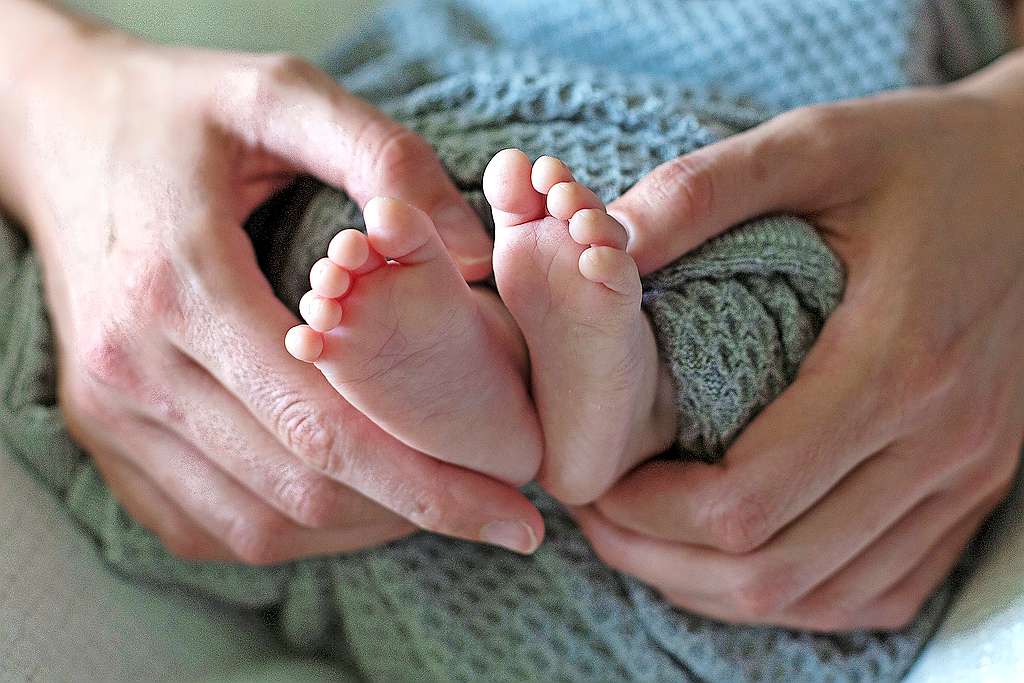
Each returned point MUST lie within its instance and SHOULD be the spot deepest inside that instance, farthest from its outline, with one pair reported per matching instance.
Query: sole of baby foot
(436, 364)
(575, 293)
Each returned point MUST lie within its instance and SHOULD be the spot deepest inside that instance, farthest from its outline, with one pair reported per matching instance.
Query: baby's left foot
(563, 272)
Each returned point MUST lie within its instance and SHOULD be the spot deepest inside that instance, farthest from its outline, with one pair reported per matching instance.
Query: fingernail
(462, 233)
(621, 218)
(516, 536)
(472, 261)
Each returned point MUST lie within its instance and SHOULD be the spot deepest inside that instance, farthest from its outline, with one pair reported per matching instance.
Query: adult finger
(151, 508)
(849, 598)
(698, 580)
(899, 604)
(294, 110)
(801, 161)
(797, 449)
(138, 493)
(204, 412)
(234, 328)
(893, 610)
(253, 531)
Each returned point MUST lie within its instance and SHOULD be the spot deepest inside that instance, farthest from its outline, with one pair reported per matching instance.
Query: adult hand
(850, 497)
(133, 167)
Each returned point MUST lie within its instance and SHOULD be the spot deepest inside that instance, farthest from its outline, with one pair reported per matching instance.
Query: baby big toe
(401, 232)
(509, 189)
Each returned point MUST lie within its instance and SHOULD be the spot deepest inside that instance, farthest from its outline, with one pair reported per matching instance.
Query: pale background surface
(303, 26)
(63, 616)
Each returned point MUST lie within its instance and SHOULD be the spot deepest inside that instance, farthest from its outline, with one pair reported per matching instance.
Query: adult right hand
(133, 167)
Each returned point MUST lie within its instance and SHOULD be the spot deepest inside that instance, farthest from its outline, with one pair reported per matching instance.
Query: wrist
(47, 56)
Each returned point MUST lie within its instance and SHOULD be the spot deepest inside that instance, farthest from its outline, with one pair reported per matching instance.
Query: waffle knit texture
(613, 88)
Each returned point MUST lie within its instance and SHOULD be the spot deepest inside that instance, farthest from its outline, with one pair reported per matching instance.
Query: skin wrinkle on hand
(182, 232)
(944, 337)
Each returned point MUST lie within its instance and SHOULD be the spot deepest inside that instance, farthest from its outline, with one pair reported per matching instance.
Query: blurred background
(307, 27)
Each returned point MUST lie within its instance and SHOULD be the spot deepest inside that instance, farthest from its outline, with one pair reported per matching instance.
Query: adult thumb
(791, 163)
(298, 113)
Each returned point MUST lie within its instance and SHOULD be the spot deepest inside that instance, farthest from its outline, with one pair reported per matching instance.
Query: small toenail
(514, 535)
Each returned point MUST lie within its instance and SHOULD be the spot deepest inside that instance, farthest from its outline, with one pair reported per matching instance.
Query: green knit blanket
(614, 89)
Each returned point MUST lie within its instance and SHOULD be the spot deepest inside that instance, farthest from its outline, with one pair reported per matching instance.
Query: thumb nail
(514, 535)
(462, 232)
(621, 218)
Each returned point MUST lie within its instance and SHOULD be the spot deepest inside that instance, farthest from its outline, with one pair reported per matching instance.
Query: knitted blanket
(614, 88)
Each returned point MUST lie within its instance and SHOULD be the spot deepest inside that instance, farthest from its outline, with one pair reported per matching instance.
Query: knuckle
(308, 434)
(428, 512)
(164, 408)
(259, 85)
(686, 183)
(81, 403)
(287, 68)
(814, 135)
(763, 592)
(821, 129)
(109, 366)
(185, 546)
(823, 119)
(399, 153)
(738, 523)
(152, 289)
(979, 433)
(257, 542)
(310, 501)
(275, 72)
(107, 362)
(916, 387)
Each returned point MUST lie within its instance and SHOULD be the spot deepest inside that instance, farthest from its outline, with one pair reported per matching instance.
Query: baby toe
(594, 227)
(509, 190)
(613, 268)
(401, 232)
(349, 250)
(548, 172)
(304, 343)
(565, 199)
(329, 280)
(323, 315)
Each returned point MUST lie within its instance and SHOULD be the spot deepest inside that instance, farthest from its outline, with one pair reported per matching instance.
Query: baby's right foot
(434, 363)
(562, 270)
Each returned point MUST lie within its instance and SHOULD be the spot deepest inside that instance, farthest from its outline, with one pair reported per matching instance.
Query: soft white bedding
(65, 617)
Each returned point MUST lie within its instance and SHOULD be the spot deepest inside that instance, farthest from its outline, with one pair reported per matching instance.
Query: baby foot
(563, 272)
(430, 360)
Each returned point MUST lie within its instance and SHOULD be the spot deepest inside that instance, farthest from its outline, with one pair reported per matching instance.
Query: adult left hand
(850, 498)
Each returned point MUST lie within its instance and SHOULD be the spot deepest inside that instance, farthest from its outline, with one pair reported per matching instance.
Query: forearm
(43, 51)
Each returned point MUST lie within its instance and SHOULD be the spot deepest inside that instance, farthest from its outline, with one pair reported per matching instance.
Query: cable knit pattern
(613, 88)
